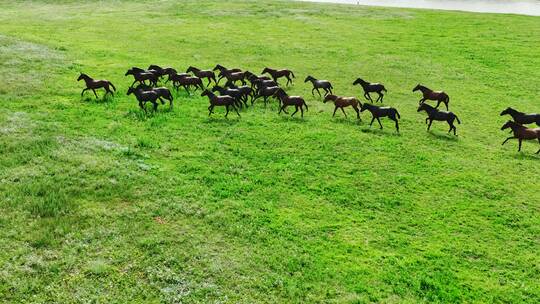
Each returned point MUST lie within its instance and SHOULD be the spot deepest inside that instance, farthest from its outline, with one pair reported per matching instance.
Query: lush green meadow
(101, 204)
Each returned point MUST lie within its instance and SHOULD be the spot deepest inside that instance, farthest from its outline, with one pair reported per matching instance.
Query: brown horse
(163, 93)
(225, 100)
(276, 74)
(434, 114)
(286, 100)
(143, 97)
(429, 94)
(234, 77)
(343, 102)
(521, 133)
(202, 74)
(223, 70)
(141, 76)
(92, 84)
(188, 81)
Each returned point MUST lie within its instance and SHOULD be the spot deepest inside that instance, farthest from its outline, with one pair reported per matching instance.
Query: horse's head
(129, 72)
(358, 81)
(329, 97)
(155, 67)
(508, 110)
(510, 124)
(143, 87)
(217, 67)
(82, 76)
(266, 69)
(416, 88)
(206, 93)
(280, 93)
(423, 107)
(130, 90)
(364, 106)
(217, 88)
(309, 78)
(169, 71)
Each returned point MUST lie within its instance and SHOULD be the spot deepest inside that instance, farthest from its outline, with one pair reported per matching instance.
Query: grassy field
(101, 204)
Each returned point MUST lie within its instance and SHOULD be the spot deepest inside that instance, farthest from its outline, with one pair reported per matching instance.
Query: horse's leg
(438, 103)
(227, 108)
(381, 96)
(369, 97)
(539, 143)
(520, 140)
(372, 120)
(379, 121)
(155, 105)
(335, 109)
(357, 112)
(344, 112)
(427, 118)
(512, 137)
(319, 92)
(296, 107)
(330, 90)
(84, 91)
(93, 90)
(397, 124)
(302, 111)
(429, 126)
(313, 91)
(236, 110)
(210, 109)
(421, 101)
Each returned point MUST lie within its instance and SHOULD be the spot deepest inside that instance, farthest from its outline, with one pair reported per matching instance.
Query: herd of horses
(242, 88)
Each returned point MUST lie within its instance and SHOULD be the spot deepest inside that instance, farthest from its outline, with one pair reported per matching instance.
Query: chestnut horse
(429, 94)
(92, 84)
(276, 74)
(371, 87)
(377, 112)
(522, 118)
(521, 133)
(434, 114)
(343, 102)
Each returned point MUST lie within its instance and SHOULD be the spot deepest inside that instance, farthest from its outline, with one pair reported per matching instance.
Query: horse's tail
(458, 121)
(112, 85)
(397, 113)
(292, 74)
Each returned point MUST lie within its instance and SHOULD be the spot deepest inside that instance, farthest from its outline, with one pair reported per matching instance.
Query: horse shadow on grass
(92, 99)
(443, 136)
(222, 121)
(347, 121)
(526, 156)
(379, 132)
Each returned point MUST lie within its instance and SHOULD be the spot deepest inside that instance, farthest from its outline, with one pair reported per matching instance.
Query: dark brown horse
(234, 77)
(286, 100)
(143, 76)
(245, 91)
(265, 93)
(92, 84)
(276, 74)
(434, 114)
(163, 93)
(522, 118)
(234, 93)
(202, 74)
(188, 81)
(378, 112)
(173, 76)
(521, 133)
(428, 94)
(320, 84)
(225, 100)
(371, 87)
(223, 70)
(343, 102)
(143, 97)
(251, 77)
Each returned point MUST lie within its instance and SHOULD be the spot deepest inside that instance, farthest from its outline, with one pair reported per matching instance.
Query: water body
(522, 7)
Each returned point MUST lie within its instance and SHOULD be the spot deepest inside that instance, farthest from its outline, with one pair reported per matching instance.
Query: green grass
(100, 203)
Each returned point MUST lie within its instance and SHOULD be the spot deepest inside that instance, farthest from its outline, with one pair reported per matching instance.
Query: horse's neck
(88, 80)
(425, 90)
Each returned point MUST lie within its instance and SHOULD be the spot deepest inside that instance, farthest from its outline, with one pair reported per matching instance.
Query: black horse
(378, 112)
(144, 96)
(371, 88)
(522, 118)
(163, 93)
(434, 114)
(320, 84)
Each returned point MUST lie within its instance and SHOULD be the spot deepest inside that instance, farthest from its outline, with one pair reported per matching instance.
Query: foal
(92, 84)
(371, 87)
(279, 73)
(320, 84)
(343, 102)
(144, 96)
(428, 94)
(522, 118)
(286, 100)
(521, 133)
(377, 112)
(434, 114)
(223, 70)
(224, 100)
(203, 74)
